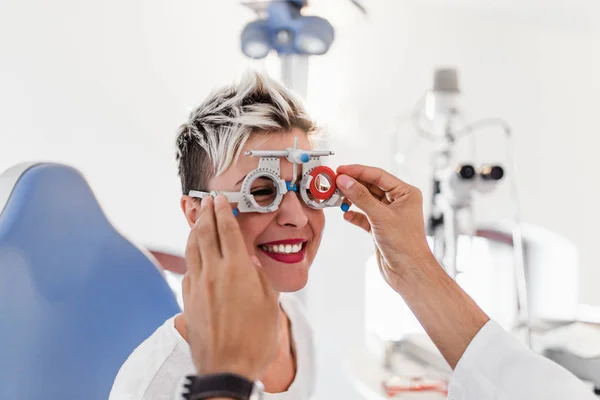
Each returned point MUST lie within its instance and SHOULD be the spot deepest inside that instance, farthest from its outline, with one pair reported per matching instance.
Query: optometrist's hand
(230, 309)
(393, 215)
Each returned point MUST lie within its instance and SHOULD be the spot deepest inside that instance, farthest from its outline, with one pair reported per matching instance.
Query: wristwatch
(228, 386)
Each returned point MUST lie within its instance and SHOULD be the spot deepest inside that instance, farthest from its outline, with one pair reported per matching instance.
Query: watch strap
(230, 386)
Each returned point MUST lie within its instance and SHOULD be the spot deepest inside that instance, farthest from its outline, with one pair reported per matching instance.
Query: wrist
(414, 271)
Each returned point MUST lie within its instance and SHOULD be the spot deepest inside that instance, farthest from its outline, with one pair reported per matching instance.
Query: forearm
(449, 316)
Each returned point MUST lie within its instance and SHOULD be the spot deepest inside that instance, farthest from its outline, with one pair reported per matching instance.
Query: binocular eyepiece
(487, 172)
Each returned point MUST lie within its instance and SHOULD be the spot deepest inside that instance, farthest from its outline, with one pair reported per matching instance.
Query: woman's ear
(191, 209)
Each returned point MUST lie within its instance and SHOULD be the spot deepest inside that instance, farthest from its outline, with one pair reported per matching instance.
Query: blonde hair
(212, 138)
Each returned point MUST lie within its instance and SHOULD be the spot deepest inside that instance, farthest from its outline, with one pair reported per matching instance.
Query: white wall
(104, 85)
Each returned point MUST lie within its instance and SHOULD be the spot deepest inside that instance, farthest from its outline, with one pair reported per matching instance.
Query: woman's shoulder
(158, 362)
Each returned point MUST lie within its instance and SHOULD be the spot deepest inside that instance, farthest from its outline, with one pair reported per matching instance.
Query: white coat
(496, 366)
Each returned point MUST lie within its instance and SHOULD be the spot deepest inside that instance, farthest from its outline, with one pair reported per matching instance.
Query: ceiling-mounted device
(282, 27)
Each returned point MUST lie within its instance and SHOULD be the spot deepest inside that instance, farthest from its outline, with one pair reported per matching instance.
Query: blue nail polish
(345, 207)
(236, 212)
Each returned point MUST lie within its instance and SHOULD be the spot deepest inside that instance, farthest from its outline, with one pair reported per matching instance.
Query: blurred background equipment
(439, 119)
(76, 297)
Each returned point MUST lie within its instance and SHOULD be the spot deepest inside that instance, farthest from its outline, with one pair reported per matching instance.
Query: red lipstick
(286, 258)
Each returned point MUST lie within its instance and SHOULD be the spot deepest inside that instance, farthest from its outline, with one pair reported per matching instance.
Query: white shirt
(497, 366)
(155, 369)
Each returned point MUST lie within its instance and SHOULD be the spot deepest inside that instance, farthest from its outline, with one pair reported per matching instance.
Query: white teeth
(283, 248)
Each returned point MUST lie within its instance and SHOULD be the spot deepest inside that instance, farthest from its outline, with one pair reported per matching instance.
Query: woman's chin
(285, 274)
(287, 279)
(289, 287)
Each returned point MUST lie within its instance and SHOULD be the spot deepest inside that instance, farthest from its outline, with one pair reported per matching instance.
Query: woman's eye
(262, 192)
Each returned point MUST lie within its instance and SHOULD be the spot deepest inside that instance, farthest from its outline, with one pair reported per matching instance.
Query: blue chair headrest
(76, 297)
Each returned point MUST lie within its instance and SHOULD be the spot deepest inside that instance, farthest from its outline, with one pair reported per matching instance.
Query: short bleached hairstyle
(212, 138)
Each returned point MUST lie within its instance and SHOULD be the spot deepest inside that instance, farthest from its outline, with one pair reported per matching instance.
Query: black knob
(466, 172)
(492, 172)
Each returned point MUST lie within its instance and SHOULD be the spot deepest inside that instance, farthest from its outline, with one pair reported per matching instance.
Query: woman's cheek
(252, 226)
(318, 223)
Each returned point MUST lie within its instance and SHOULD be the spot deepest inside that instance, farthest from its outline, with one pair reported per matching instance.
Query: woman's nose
(292, 211)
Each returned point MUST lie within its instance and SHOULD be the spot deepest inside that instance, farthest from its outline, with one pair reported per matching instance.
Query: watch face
(257, 391)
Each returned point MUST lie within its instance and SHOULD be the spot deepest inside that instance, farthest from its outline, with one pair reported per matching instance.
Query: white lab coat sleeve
(497, 366)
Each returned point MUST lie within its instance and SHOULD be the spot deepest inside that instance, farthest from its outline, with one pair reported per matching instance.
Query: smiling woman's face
(285, 241)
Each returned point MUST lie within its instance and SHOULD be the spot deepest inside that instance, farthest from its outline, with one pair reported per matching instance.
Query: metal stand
(442, 223)
(294, 73)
